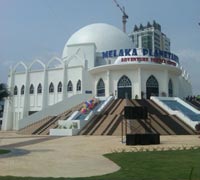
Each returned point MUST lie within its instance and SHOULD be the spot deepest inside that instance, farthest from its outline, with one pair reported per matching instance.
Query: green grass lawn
(156, 165)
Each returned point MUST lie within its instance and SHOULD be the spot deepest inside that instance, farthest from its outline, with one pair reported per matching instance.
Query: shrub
(197, 127)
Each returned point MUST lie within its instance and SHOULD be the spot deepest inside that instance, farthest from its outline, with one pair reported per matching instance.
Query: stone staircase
(108, 122)
(43, 126)
(159, 121)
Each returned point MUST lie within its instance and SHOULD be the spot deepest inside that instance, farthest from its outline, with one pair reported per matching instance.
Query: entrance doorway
(124, 88)
(152, 87)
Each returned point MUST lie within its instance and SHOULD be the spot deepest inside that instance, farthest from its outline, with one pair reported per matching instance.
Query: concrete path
(78, 156)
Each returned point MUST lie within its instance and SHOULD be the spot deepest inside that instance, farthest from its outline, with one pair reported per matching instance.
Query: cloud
(190, 60)
(6, 63)
(188, 55)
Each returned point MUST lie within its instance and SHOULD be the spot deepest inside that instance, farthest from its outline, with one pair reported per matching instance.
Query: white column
(64, 93)
(45, 89)
(83, 81)
(139, 83)
(153, 42)
(108, 84)
(26, 103)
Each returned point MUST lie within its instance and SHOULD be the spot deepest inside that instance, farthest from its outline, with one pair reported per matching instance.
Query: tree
(4, 93)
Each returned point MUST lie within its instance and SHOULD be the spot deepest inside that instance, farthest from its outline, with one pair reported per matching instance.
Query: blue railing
(175, 105)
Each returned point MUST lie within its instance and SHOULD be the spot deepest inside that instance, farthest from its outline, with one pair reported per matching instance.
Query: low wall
(179, 114)
(54, 109)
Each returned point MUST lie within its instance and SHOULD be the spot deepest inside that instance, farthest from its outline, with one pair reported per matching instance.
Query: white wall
(139, 75)
(54, 109)
(86, 51)
(185, 88)
(74, 74)
(35, 101)
(55, 76)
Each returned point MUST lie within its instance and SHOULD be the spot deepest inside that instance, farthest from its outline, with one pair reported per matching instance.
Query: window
(124, 82)
(22, 90)
(78, 85)
(170, 88)
(152, 87)
(15, 90)
(70, 86)
(152, 82)
(100, 88)
(59, 87)
(51, 88)
(31, 90)
(124, 88)
(39, 89)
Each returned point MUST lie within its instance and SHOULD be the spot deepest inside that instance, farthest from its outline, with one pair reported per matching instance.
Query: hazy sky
(32, 29)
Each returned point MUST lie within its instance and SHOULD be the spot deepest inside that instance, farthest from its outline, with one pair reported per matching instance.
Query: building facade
(99, 60)
(150, 37)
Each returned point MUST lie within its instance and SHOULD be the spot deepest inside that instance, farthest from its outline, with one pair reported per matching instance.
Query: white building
(97, 60)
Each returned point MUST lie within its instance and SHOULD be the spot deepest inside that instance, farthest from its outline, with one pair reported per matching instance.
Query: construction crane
(124, 16)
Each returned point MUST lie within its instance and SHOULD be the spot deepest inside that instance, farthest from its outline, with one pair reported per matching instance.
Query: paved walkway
(77, 156)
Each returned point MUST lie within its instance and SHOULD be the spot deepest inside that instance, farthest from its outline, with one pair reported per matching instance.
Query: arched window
(51, 88)
(31, 90)
(78, 85)
(39, 89)
(170, 88)
(70, 86)
(152, 87)
(22, 89)
(15, 90)
(152, 82)
(124, 88)
(124, 82)
(100, 88)
(59, 87)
